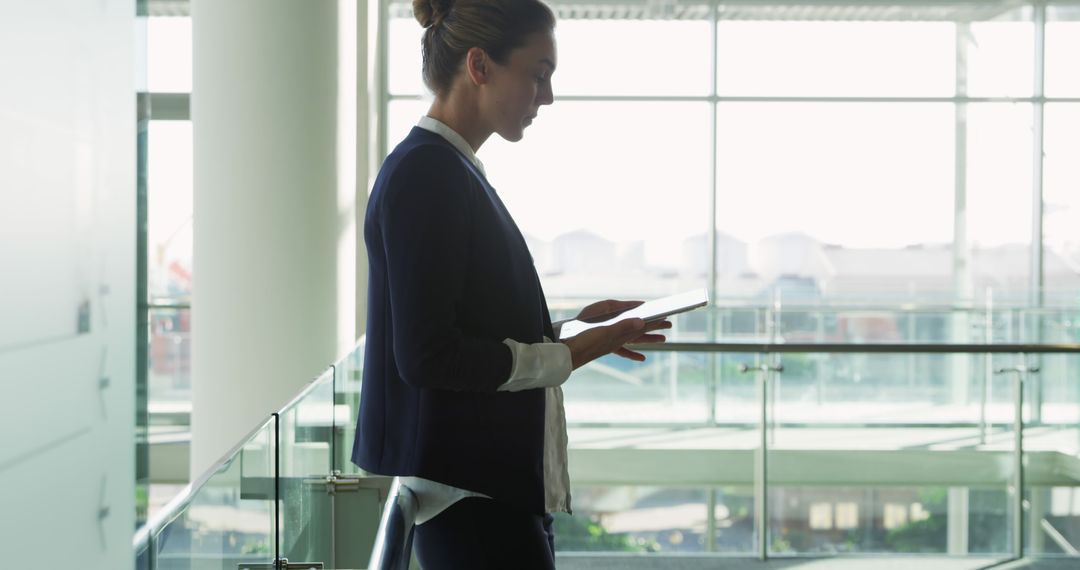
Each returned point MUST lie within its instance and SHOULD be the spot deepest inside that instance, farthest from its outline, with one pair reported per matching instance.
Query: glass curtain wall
(833, 173)
(165, 241)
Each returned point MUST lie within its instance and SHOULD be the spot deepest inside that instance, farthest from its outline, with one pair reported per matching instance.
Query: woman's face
(518, 89)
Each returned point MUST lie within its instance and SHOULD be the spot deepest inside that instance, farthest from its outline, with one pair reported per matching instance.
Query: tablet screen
(650, 311)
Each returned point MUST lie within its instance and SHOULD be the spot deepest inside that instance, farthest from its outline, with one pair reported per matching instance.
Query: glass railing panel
(667, 387)
(876, 454)
(307, 447)
(1055, 512)
(728, 321)
(1052, 455)
(638, 519)
(348, 375)
(229, 519)
(856, 388)
(142, 555)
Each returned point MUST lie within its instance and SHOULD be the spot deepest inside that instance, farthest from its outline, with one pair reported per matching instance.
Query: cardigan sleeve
(425, 224)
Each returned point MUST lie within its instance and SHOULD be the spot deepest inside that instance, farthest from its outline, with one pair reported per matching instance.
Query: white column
(957, 521)
(267, 217)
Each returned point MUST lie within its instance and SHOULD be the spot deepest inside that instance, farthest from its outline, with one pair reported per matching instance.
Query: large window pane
(850, 59)
(1000, 56)
(1061, 196)
(1062, 50)
(608, 194)
(999, 190)
(402, 116)
(836, 200)
(169, 205)
(404, 61)
(587, 65)
(168, 54)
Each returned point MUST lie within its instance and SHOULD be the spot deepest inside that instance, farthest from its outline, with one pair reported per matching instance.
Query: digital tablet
(649, 311)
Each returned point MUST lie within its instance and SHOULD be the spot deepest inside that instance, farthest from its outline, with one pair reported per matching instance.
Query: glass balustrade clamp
(335, 482)
(778, 367)
(1018, 370)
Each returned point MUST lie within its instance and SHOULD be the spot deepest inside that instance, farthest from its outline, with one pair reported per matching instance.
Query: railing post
(1019, 379)
(1018, 463)
(710, 520)
(761, 486)
(764, 373)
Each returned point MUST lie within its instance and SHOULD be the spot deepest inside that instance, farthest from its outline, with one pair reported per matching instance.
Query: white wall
(67, 301)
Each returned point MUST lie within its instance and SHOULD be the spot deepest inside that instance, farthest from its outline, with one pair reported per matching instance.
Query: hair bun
(431, 12)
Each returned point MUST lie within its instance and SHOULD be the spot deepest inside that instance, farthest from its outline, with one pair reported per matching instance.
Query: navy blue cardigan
(449, 278)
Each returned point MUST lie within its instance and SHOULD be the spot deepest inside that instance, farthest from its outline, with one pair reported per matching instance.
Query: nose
(545, 96)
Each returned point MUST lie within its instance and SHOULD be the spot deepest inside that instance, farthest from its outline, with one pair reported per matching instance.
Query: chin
(514, 135)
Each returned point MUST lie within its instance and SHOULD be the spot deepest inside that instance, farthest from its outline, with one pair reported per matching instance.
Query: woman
(462, 370)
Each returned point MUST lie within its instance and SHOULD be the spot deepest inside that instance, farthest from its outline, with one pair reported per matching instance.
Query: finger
(628, 328)
(607, 309)
(649, 339)
(658, 325)
(630, 355)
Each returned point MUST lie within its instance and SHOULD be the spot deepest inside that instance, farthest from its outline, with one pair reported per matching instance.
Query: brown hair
(454, 26)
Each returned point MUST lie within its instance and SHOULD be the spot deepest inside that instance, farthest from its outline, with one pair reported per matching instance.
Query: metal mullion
(1037, 281)
(710, 363)
(176, 306)
(382, 87)
(713, 181)
(169, 106)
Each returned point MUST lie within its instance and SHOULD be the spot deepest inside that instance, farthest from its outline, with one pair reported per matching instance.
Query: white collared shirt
(539, 365)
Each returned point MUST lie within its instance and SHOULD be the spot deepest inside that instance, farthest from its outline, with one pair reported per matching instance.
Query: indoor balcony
(903, 446)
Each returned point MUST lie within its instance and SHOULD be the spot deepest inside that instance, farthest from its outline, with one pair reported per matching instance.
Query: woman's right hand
(601, 341)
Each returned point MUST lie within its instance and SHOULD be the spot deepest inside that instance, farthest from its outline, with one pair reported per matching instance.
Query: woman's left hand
(610, 308)
(604, 310)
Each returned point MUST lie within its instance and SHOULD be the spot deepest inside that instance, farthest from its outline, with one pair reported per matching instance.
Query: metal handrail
(305, 390)
(863, 348)
(901, 307)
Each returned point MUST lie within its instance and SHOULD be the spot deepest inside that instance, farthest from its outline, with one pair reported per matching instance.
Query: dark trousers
(484, 533)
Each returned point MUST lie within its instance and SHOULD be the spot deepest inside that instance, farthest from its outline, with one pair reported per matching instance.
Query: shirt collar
(440, 128)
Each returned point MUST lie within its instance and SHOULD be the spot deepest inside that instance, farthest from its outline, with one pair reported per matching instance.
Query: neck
(461, 114)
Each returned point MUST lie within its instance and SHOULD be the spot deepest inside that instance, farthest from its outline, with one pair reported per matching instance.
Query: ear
(478, 66)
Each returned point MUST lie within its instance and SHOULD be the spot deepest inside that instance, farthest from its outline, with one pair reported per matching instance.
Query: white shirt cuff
(539, 365)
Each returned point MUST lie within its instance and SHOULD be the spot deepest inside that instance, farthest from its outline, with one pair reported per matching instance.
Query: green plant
(579, 533)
